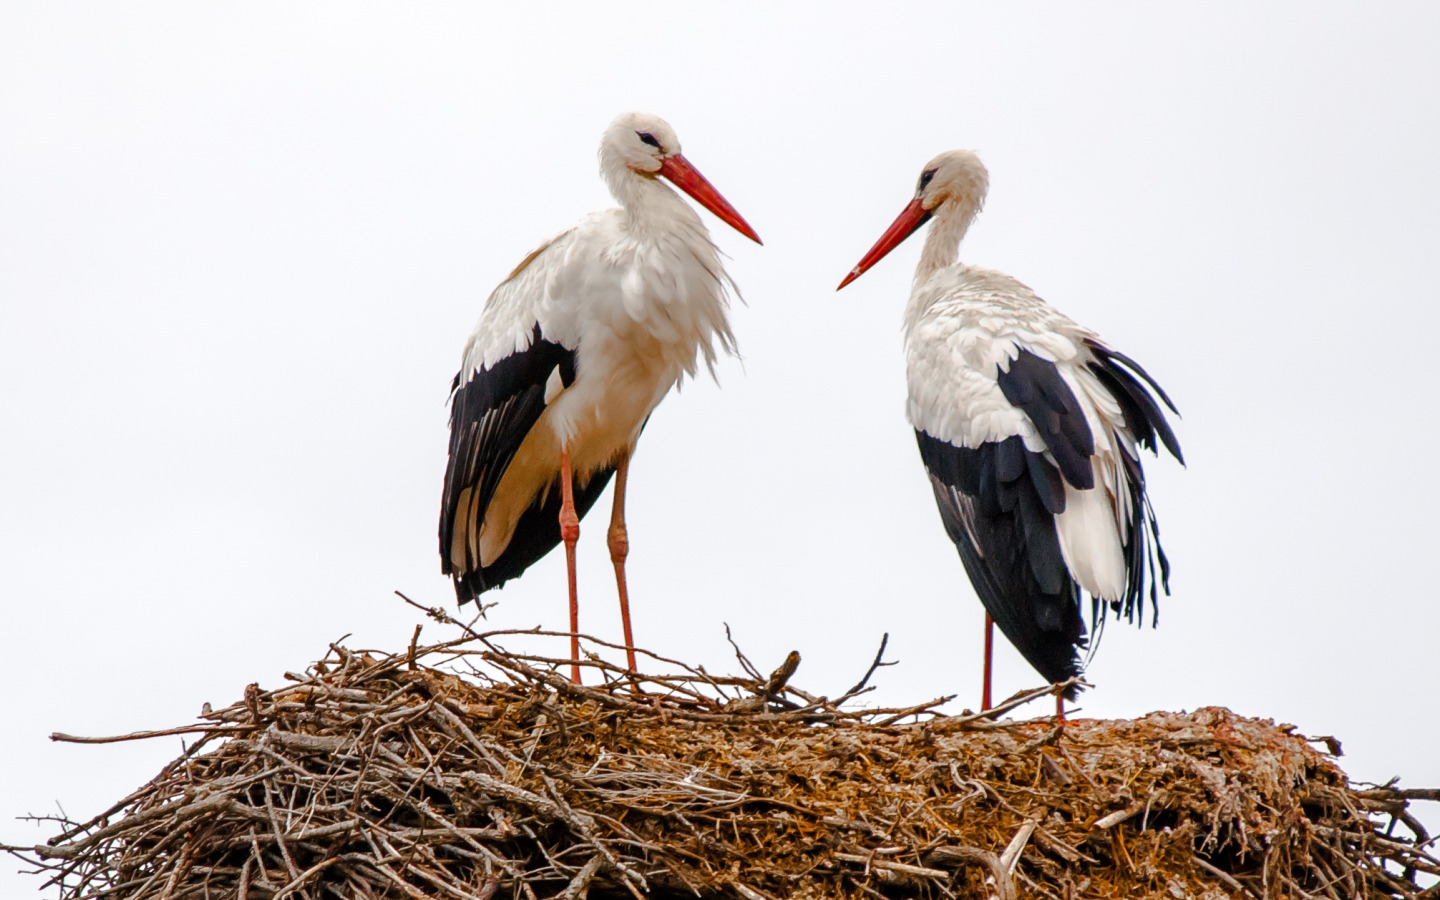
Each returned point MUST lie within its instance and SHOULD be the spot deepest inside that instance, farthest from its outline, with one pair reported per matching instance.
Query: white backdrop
(240, 250)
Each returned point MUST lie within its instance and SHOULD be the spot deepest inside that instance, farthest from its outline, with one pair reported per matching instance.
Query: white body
(641, 296)
(960, 324)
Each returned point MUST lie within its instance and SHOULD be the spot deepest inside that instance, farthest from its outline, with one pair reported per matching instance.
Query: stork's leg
(570, 533)
(989, 645)
(619, 549)
(1060, 708)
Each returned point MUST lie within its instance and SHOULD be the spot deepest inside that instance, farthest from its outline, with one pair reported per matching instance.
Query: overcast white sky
(241, 248)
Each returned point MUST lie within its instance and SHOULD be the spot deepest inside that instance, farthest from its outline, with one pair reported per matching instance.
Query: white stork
(1028, 425)
(573, 351)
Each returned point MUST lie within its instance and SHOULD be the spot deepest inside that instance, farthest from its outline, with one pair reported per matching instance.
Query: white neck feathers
(942, 244)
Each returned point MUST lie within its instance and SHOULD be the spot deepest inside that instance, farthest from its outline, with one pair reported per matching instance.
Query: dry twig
(390, 775)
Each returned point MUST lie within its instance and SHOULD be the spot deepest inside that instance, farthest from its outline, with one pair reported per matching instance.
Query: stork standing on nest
(1029, 427)
(572, 353)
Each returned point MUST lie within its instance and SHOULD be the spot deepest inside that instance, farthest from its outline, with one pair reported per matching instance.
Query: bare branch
(458, 769)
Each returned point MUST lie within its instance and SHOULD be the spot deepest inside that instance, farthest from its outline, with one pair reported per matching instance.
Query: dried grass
(392, 776)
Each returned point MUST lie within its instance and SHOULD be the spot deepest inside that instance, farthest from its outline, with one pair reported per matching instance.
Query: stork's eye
(925, 179)
(648, 138)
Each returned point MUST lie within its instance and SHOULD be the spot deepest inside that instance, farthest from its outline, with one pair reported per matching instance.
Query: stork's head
(639, 142)
(955, 177)
(645, 146)
(952, 184)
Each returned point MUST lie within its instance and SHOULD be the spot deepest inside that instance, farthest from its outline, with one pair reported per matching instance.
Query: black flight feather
(536, 534)
(998, 502)
(491, 412)
(1147, 422)
(1142, 413)
(1034, 386)
(995, 501)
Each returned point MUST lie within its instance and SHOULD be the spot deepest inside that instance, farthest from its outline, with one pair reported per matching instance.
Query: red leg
(619, 549)
(1060, 708)
(989, 645)
(570, 533)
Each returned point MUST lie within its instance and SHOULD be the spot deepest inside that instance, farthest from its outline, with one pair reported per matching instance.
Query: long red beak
(910, 218)
(688, 179)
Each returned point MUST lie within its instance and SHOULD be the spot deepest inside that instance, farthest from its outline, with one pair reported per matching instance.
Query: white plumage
(1029, 427)
(640, 313)
(572, 353)
(964, 326)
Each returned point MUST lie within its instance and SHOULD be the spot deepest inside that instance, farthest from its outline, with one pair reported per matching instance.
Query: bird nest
(462, 770)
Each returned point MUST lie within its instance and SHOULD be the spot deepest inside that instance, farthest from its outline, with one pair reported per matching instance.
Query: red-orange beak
(911, 218)
(688, 179)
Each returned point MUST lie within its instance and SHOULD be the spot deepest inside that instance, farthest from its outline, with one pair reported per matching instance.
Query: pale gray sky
(241, 247)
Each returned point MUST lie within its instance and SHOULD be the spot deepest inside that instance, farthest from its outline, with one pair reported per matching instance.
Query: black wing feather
(490, 415)
(536, 534)
(1034, 386)
(999, 515)
(999, 501)
(1142, 413)
(1147, 422)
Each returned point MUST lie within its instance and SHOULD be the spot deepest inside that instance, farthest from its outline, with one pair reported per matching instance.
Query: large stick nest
(388, 776)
